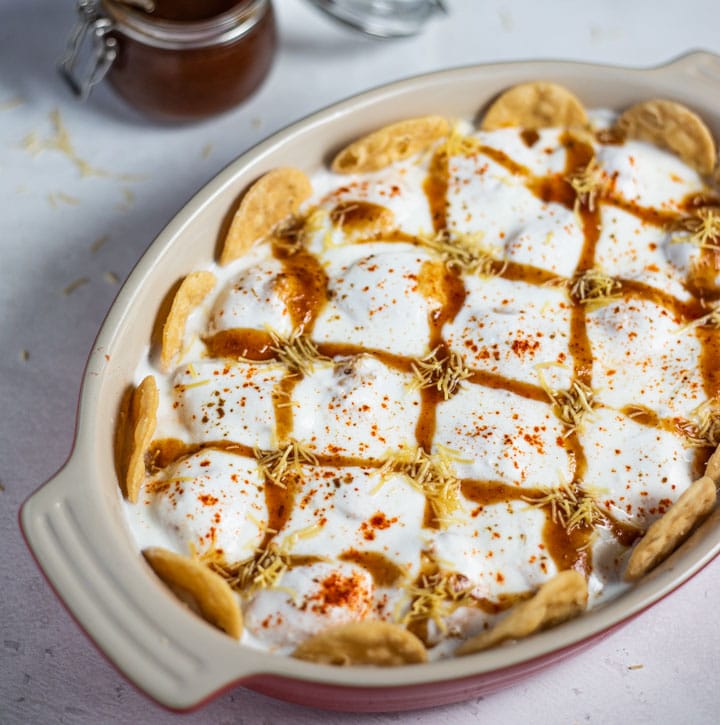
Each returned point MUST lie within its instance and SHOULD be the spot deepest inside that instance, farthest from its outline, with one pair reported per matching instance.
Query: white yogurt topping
(637, 471)
(375, 301)
(211, 500)
(660, 184)
(514, 329)
(360, 510)
(355, 407)
(223, 400)
(358, 529)
(311, 598)
(644, 355)
(253, 301)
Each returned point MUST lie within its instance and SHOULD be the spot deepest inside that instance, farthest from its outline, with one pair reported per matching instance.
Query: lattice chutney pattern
(432, 386)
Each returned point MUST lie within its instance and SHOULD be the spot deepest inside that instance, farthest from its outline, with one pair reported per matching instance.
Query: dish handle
(699, 65)
(98, 584)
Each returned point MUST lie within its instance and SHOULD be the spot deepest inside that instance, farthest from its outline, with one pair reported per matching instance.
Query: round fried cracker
(712, 469)
(363, 643)
(535, 105)
(193, 290)
(141, 427)
(270, 200)
(671, 529)
(671, 126)
(559, 599)
(391, 143)
(209, 591)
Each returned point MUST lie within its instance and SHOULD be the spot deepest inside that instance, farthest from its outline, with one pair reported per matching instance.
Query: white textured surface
(48, 670)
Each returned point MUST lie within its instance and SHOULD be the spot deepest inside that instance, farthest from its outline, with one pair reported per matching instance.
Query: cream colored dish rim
(74, 523)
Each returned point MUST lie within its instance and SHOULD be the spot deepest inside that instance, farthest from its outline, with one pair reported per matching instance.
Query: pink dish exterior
(74, 524)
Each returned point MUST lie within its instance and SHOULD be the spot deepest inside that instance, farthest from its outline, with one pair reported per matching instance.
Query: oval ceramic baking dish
(74, 524)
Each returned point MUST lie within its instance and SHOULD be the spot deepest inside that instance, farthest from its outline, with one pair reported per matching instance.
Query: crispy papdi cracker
(121, 435)
(142, 418)
(535, 105)
(713, 466)
(363, 643)
(391, 143)
(561, 598)
(665, 534)
(270, 200)
(672, 126)
(190, 294)
(209, 591)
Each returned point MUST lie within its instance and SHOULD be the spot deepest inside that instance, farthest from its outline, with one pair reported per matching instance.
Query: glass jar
(173, 59)
(383, 18)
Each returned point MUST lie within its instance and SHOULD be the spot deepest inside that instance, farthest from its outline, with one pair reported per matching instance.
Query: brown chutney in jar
(188, 59)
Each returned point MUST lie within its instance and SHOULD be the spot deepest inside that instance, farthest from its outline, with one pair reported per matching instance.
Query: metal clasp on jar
(95, 27)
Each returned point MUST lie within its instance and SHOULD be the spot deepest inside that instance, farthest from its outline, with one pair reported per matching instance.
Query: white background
(661, 668)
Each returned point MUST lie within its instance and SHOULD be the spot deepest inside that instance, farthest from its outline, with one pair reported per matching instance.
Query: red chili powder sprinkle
(337, 590)
(376, 521)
